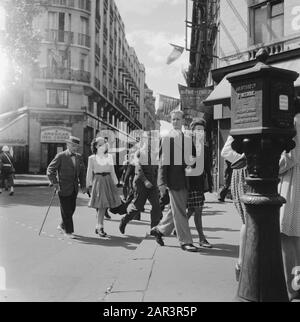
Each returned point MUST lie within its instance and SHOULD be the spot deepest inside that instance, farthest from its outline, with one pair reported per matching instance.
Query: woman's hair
(94, 149)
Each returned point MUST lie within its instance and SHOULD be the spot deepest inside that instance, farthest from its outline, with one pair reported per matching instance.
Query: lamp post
(262, 126)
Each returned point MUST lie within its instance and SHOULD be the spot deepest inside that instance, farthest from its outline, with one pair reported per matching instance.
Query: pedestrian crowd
(173, 175)
(148, 174)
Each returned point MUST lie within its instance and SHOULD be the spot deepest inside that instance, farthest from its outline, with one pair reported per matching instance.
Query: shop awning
(222, 92)
(15, 132)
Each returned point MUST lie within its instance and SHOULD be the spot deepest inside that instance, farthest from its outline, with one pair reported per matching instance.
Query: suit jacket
(144, 169)
(61, 170)
(175, 151)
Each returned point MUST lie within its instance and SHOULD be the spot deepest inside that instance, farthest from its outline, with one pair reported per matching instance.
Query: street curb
(134, 276)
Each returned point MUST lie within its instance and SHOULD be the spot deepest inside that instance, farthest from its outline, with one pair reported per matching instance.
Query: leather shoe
(190, 248)
(60, 229)
(158, 236)
(106, 215)
(122, 226)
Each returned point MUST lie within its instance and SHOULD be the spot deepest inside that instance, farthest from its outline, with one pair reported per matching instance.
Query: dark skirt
(195, 199)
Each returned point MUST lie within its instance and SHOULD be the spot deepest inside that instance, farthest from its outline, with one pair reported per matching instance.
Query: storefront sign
(55, 134)
(167, 104)
(192, 101)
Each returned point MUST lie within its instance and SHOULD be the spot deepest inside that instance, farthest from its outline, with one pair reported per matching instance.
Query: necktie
(73, 159)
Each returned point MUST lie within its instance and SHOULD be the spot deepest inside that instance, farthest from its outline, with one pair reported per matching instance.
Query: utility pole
(203, 36)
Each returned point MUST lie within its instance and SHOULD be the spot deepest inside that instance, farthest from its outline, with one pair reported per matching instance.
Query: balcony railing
(104, 59)
(55, 35)
(79, 4)
(105, 32)
(106, 4)
(111, 96)
(98, 19)
(273, 49)
(97, 51)
(104, 90)
(62, 3)
(84, 40)
(137, 123)
(97, 83)
(122, 108)
(64, 73)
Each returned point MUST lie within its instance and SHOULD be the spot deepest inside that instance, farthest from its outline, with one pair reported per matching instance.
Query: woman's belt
(103, 174)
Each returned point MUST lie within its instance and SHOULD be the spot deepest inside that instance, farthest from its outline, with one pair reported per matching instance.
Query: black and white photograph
(149, 154)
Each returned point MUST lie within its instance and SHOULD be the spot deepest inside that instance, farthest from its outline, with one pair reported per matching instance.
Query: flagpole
(186, 19)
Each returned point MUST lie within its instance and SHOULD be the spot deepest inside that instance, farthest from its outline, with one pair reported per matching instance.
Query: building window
(83, 60)
(57, 98)
(267, 21)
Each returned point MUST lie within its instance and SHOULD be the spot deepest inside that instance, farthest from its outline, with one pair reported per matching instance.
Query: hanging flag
(175, 54)
(166, 104)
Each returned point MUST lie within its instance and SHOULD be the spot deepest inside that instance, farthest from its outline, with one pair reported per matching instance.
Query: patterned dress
(238, 188)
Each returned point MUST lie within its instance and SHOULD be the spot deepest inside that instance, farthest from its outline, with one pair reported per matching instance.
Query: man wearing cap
(65, 172)
(7, 170)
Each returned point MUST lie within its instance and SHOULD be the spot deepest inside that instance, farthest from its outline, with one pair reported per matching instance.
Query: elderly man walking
(175, 149)
(65, 172)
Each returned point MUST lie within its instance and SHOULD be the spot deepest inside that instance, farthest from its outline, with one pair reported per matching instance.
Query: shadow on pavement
(133, 222)
(218, 202)
(220, 229)
(221, 250)
(112, 241)
(35, 196)
(213, 213)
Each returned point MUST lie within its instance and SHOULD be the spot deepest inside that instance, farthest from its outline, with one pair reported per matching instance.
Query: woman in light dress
(289, 188)
(101, 181)
(238, 188)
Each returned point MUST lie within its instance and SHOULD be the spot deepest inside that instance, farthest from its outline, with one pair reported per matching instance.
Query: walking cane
(54, 193)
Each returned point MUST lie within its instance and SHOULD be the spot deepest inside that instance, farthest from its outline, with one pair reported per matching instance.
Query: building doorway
(49, 151)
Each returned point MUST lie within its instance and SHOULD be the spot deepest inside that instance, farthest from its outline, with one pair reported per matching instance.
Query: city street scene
(150, 153)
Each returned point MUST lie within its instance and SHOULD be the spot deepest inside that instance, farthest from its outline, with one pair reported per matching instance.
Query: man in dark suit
(176, 150)
(65, 172)
(144, 186)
